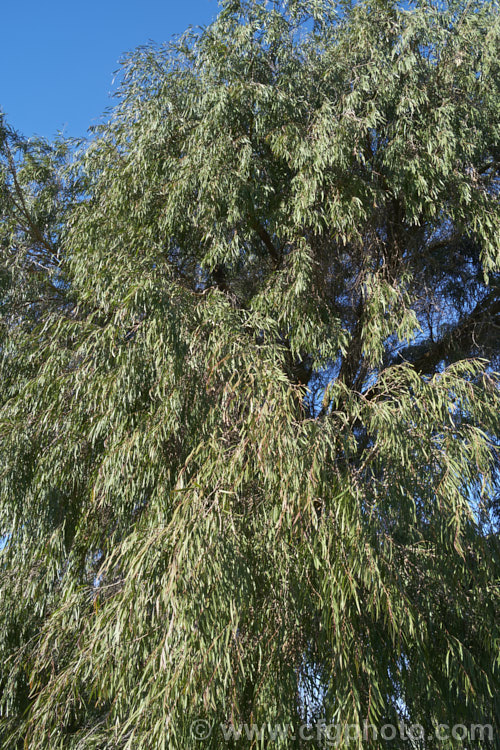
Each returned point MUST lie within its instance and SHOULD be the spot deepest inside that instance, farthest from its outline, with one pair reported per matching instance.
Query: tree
(249, 452)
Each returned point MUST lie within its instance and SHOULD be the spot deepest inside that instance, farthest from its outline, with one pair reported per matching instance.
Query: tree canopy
(249, 413)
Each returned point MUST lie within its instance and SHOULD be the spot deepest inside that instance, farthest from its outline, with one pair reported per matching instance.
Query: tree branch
(266, 239)
(473, 332)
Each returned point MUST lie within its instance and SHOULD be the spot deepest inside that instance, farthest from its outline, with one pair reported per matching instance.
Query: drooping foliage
(249, 412)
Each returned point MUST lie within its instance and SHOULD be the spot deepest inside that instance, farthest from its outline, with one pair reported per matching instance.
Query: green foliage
(248, 412)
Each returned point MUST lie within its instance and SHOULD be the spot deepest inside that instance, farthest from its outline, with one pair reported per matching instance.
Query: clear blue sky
(57, 58)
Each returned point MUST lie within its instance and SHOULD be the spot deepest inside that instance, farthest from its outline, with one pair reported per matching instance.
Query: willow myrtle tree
(249, 421)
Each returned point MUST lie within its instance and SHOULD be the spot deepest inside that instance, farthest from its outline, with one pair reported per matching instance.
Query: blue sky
(57, 58)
